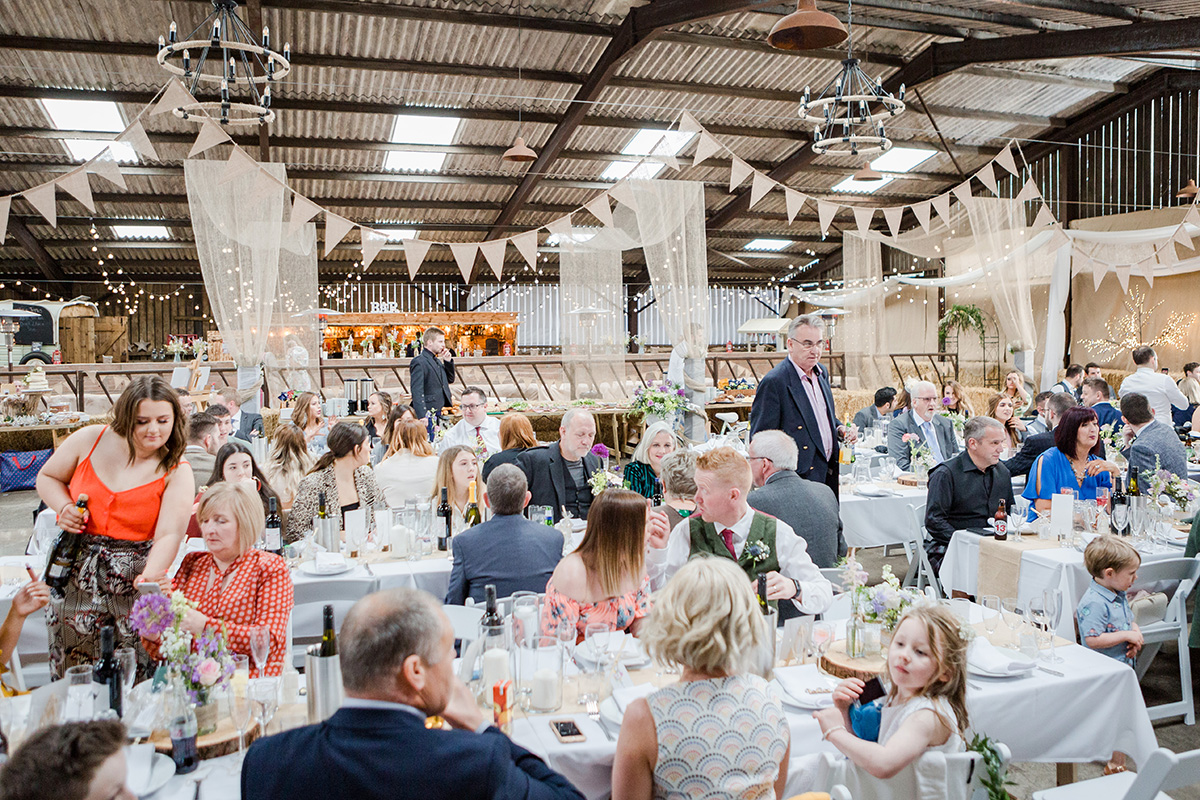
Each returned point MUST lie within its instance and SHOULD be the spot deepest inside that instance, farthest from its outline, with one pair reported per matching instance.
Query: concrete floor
(1160, 684)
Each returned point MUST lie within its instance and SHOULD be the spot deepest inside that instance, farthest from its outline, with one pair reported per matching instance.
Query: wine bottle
(657, 495)
(1134, 489)
(272, 533)
(443, 511)
(183, 730)
(1000, 523)
(321, 510)
(491, 613)
(64, 555)
(471, 517)
(328, 635)
(762, 594)
(1118, 509)
(107, 672)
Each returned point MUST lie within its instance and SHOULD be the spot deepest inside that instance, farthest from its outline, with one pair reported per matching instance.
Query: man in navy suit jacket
(1096, 393)
(508, 551)
(397, 656)
(795, 398)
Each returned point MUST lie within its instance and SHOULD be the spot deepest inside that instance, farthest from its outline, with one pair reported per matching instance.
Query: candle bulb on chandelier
(266, 40)
(161, 43)
(232, 70)
(187, 62)
(287, 51)
(216, 33)
(172, 33)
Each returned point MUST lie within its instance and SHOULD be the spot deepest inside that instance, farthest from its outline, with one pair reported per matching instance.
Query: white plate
(162, 769)
(805, 701)
(1016, 655)
(310, 568)
(610, 713)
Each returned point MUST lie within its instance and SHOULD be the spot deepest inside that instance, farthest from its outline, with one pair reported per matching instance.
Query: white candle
(547, 687)
(495, 668)
(401, 540)
(526, 618)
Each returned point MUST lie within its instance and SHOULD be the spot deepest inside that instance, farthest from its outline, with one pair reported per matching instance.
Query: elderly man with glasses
(934, 430)
(476, 429)
(795, 397)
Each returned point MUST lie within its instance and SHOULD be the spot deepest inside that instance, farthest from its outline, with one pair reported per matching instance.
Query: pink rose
(208, 672)
(909, 437)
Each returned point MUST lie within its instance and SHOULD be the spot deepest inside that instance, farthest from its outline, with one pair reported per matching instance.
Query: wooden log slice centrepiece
(840, 665)
(221, 742)
(909, 479)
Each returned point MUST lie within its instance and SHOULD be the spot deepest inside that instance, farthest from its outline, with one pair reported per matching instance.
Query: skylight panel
(396, 234)
(101, 116)
(420, 129)
(772, 245)
(410, 161)
(617, 170)
(579, 236)
(902, 159)
(85, 149)
(649, 141)
(861, 187)
(141, 231)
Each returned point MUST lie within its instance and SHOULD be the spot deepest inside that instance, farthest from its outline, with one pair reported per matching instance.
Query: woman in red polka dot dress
(237, 586)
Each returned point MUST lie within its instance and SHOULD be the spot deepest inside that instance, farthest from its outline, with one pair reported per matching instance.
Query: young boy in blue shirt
(1105, 620)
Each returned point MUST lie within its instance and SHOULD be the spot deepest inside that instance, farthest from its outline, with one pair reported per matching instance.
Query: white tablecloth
(878, 521)
(1056, 568)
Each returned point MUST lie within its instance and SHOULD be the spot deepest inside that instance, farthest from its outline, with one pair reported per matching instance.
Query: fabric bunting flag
(211, 134)
(688, 124)
(106, 167)
(264, 184)
(600, 209)
(76, 184)
(667, 159)
(921, 211)
(892, 215)
(941, 204)
(759, 187)
(1181, 236)
(825, 213)
(42, 198)
(1005, 159)
(174, 97)
(963, 191)
(303, 210)
(493, 253)
(1099, 270)
(560, 226)
(1192, 216)
(706, 148)
(795, 202)
(1029, 191)
(988, 178)
(738, 172)
(1044, 217)
(1123, 277)
(135, 136)
(336, 229)
(464, 256)
(526, 244)
(372, 242)
(239, 164)
(5, 207)
(862, 218)
(414, 254)
(623, 194)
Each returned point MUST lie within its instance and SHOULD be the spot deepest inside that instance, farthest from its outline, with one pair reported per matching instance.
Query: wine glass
(241, 711)
(1010, 612)
(260, 646)
(1035, 612)
(127, 658)
(264, 694)
(1052, 602)
(1102, 495)
(822, 638)
(991, 620)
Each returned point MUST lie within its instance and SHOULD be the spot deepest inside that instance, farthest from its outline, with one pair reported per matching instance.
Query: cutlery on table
(593, 712)
(1053, 672)
(368, 569)
(199, 781)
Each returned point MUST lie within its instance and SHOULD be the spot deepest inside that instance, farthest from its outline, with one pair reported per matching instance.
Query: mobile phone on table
(872, 691)
(149, 587)
(567, 731)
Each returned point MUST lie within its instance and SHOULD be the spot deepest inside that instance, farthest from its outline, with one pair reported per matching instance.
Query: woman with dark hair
(73, 761)
(1001, 409)
(401, 412)
(344, 475)
(516, 436)
(139, 493)
(605, 580)
(235, 463)
(1073, 463)
(379, 406)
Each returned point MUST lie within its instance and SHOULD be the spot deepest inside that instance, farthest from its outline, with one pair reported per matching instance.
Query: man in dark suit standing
(508, 551)
(559, 474)
(430, 375)
(795, 398)
(397, 659)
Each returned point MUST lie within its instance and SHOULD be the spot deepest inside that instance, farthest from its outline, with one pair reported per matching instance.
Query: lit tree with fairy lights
(1132, 329)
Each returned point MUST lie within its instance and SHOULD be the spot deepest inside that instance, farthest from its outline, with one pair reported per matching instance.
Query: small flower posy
(919, 451)
(600, 450)
(758, 552)
(1167, 488)
(204, 661)
(662, 400)
(605, 479)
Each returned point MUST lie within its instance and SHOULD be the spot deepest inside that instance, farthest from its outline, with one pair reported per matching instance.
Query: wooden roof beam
(50, 269)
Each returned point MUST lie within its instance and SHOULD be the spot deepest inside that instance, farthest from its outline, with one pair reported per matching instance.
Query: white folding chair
(341, 593)
(465, 621)
(920, 571)
(14, 658)
(1173, 626)
(505, 604)
(840, 607)
(1163, 771)
(964, 777)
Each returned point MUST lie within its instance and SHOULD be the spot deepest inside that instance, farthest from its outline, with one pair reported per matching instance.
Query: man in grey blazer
(922, 421)
(810, 508)
(1148, 439)
(508, 550)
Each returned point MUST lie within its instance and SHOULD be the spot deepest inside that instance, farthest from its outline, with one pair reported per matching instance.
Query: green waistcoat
(705, 539)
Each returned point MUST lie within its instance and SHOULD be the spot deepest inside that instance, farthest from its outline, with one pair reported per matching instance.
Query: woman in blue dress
(1073, 463)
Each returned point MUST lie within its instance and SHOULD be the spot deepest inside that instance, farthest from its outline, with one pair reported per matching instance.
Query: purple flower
(151, 614)
(600, 450)
(947, 401)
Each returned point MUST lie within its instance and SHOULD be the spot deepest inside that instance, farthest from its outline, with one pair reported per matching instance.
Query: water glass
(241, 710)
(81, 704)
(1102, 495)
(525, 617)
(991, 607)
(540, 674)
(1010, 613)
(260, 646)
(822, 639)
(424, 527)
(1039, 621)
(1052, 603)
(264, 695)
(127, 658)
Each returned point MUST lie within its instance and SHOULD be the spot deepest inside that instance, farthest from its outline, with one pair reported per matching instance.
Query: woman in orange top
(139, 496)
(236, 586)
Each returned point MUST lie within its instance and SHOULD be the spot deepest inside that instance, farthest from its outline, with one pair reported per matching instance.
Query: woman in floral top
(604, 580)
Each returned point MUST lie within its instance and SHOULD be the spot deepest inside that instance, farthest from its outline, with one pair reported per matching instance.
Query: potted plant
(962, 318)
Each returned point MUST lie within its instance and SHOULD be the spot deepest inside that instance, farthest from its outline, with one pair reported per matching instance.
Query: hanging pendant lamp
(806, 29)
(867, 174)
(519, 152)
(1190, 190)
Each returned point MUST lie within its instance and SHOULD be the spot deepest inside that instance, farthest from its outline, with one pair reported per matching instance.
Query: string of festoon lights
(130, 300)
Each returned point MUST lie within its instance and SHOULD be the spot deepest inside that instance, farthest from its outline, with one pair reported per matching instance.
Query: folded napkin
(797, 680)
(871, 490)
(983, 655)
(329, 562)
(626, 695)
(631, 651)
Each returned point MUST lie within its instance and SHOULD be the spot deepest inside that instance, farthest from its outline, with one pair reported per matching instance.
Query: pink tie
(479, 445)
(727, 537)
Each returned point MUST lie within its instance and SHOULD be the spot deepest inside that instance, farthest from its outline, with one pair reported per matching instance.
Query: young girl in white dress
(926, 704)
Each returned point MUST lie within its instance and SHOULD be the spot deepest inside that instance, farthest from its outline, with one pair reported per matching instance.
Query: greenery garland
(994, 779)
(962, 318)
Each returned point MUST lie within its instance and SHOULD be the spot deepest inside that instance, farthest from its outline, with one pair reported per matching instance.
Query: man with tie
(725, 526)
(934, 430)
(795, 398)
(244, 424)
(476, 429)
(430, 375)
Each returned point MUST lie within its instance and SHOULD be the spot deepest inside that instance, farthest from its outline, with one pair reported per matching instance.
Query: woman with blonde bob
(706, 620)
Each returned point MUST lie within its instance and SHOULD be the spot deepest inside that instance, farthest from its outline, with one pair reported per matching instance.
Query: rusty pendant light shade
(519, 152)
(806, 29)
(868, 174)
(1190, 190)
